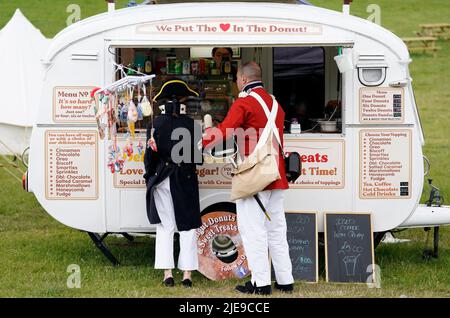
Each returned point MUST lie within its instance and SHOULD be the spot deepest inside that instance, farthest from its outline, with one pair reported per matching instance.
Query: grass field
(36, 250)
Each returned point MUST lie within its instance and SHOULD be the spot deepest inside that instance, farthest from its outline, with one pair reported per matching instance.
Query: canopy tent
(21, 49)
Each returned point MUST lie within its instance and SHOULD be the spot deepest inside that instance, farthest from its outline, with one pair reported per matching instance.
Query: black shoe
(289, 288)
(169, 282)
(249, 288)
(187, 283)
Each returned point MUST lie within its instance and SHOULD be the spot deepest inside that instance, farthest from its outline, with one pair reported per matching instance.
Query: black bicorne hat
(175, 88)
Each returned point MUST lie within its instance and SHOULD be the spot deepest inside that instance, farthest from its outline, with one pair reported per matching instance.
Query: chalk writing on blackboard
(349, 246)
(302, 240)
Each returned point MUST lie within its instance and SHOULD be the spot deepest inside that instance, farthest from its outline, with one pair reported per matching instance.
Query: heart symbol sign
(225, 27)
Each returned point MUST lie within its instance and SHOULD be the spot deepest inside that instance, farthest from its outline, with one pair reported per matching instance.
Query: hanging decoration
(114, 105)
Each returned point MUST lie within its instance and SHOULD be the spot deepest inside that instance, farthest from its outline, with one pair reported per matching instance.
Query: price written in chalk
(349, 246)
(302, 241)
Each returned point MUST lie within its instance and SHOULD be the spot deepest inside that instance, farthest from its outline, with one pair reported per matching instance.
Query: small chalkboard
(302, 240)
(349, 254)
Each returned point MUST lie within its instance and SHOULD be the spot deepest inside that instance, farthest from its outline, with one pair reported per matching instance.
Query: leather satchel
(260, 168)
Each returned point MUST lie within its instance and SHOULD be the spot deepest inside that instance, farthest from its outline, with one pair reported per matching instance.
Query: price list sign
(381, 105)
(71, 165)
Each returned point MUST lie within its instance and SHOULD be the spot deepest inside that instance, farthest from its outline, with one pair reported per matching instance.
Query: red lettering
(314, 158)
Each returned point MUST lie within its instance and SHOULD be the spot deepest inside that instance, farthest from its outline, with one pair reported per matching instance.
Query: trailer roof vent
(371, 57)
(93, 56)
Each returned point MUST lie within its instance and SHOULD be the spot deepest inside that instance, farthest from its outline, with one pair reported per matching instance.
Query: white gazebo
(21, 48)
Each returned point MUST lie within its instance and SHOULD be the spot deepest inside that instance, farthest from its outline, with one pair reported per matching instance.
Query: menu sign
(349, 254)
(323, 166)
(323, 163)
(71, 165)
(132, 174)
(385, 164)
(73, 104)
(381, 105)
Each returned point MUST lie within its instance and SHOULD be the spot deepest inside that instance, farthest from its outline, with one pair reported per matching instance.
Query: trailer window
(305, 84)
(215, 83)
(299, 83)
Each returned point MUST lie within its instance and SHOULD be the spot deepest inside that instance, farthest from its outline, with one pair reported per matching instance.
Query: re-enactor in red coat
(246, 113)
(246, 119)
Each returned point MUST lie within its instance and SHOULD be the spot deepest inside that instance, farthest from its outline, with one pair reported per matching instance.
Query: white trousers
(164, 258)
(261, 236)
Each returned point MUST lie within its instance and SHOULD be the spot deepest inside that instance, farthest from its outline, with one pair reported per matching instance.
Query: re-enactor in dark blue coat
(171, 178)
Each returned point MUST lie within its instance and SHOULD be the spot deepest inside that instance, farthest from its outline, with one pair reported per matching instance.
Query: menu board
(71, 165)
(385, 158)
(323, 166)
(349, 253)
(381, 105)
(73, 104)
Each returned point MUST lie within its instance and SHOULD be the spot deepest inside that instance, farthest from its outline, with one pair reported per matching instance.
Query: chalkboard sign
(349, 254)
(302, 240)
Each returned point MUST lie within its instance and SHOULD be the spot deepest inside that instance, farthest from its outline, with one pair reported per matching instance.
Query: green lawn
(36, 250)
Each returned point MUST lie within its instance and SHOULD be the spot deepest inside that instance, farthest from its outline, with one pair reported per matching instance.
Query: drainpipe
(111, 6)
(346, 7)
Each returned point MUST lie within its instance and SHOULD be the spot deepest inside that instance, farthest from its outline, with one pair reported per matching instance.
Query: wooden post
(346, 7)
(111, 6)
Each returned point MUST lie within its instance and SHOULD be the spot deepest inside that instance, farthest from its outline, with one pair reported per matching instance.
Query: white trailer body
(80, 58)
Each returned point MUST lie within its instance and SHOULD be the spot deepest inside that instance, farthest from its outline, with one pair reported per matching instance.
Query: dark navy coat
(181, 171)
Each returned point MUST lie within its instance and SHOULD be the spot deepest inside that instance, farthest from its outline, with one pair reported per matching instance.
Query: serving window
(308, 86)
(213, 77)
(305, 81)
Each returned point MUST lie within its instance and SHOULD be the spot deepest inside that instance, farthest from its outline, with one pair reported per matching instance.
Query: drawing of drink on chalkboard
(350, 264)
(303, 247)
(349, 247)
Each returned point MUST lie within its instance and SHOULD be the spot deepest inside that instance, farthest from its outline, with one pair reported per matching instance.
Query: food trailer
(343, 82)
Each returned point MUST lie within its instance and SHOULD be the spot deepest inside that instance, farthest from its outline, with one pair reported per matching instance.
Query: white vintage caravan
(344, 84)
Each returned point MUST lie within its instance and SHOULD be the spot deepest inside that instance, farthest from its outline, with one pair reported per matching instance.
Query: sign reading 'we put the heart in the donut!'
(225, 27)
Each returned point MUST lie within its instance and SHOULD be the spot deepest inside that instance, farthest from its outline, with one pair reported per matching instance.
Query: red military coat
(247, 113)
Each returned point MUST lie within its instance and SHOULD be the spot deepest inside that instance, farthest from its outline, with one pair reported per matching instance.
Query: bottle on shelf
(160, 64)
(139, 69)
(178, 67)
(214, 69)
(207, 67)
(148, 69)
(171, 60)
(130, 70)
(194, 67)
(186, 67)
(202, 67)
(226, 66)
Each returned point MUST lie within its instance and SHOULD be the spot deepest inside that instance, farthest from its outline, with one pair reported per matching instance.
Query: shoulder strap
(271, 116)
